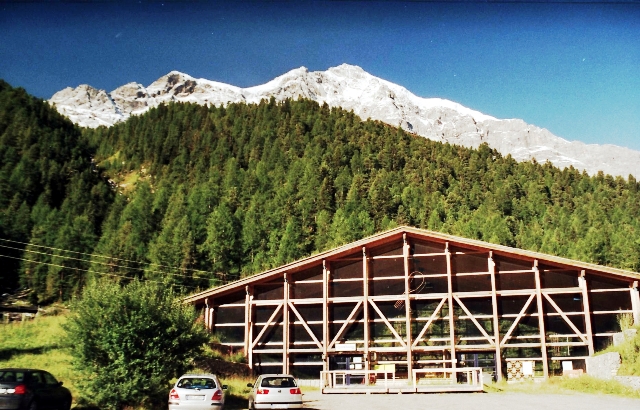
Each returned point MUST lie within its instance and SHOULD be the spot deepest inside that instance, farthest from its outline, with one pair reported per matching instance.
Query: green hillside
(50, 195)
(205, 194)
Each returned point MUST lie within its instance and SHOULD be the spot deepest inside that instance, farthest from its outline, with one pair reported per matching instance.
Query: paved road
(467, 401)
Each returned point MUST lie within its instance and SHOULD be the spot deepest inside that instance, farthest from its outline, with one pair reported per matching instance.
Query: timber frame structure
(415, 299)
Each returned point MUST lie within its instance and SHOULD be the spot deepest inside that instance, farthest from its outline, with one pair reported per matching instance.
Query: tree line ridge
(190, 195)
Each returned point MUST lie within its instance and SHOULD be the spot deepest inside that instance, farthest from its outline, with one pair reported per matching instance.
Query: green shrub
(630, 356)
(237, 357)
(625, 320)
(130, 341)
(629, 350)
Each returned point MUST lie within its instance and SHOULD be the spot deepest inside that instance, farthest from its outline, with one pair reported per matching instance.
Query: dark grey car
(32, 389)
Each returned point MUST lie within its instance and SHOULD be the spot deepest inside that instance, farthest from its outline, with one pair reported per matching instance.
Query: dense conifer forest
(191, 196)
(52, 198)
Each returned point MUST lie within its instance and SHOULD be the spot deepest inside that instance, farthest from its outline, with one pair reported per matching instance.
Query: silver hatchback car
(275, 391)
(197, 392)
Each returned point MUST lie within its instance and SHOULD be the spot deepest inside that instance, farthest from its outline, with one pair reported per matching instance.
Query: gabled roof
(393, 235)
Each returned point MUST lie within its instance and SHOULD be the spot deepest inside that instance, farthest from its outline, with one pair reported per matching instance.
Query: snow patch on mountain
(352, 88)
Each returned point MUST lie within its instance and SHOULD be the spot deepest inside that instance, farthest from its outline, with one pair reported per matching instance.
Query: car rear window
(278, 382)
(196, 383)
(11, 376)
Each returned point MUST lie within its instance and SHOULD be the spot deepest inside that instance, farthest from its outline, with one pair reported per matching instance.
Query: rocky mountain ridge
(351, 88)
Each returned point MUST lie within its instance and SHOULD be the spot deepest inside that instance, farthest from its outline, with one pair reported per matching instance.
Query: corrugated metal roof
(411, 232)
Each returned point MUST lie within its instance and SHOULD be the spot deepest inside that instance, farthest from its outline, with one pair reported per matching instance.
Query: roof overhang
(393, 235)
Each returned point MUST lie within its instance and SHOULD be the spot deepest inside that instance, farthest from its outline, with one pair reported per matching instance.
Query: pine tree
(222, 243)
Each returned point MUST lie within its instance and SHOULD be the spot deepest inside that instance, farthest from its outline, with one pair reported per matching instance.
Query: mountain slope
(202, 194)
(51, 196)
(351, 88)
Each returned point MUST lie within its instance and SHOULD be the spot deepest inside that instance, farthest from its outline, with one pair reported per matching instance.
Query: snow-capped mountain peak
(352, 88)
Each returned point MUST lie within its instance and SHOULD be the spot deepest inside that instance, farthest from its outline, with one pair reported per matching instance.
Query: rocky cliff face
(352, 88)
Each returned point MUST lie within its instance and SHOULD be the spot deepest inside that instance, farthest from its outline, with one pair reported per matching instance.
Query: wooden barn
(410, 302)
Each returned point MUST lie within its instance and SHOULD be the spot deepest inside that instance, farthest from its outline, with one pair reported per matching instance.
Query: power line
(220, 276)
(216, 276)
(96, 262)
(102, 256)
(91, 271)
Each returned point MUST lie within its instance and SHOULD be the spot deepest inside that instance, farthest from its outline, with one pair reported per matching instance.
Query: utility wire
(99, 256)
(91, 271)
(96, 262)
(217, 275)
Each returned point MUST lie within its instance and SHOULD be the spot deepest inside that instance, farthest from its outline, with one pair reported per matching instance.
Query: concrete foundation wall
(603, 366)
(620, 337)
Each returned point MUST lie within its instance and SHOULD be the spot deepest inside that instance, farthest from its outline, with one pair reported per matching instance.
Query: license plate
(279, 406)
(194, 397)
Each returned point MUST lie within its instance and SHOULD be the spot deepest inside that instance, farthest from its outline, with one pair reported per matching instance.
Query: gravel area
(467, 401)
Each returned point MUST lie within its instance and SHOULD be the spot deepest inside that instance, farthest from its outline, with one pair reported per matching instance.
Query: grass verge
(38, 343)
(566, 385)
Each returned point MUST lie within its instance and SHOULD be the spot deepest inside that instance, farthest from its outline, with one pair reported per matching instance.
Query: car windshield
(11, 376)
(278, 382)
(196, 383)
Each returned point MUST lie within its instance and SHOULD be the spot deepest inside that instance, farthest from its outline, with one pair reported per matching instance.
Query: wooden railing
(344, 378)
(462, 375)
(467, 376)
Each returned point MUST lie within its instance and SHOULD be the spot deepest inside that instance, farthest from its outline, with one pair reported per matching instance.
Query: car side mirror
(224, 387)
(60, 383)
(249, 385)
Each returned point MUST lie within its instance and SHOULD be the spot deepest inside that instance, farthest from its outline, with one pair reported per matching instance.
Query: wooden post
(496, 322)
(635, 303)
(407, 306)
(452, 323)
(250, 334)
(247, 320)
(365, 307)
(206, 314)
(210, 318)
(543, 333)
(582, 282)
(325, 315)
(285, 327)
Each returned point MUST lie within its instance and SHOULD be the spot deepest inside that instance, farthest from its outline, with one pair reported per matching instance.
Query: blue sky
(570, 67)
